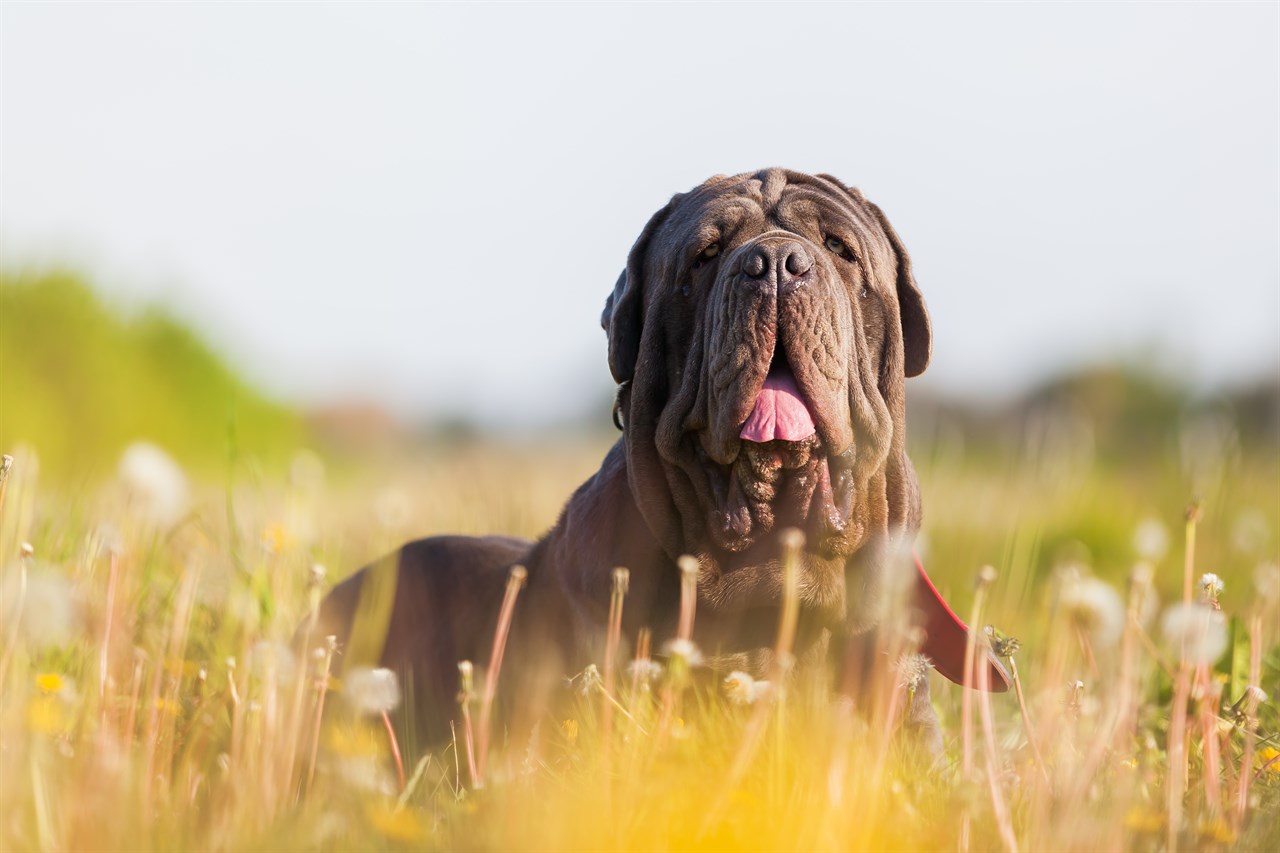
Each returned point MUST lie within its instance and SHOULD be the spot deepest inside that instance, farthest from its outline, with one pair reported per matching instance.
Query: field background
(146, 700)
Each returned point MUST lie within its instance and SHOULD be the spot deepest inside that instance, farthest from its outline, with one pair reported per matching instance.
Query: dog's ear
(623, 315)
(917, 333)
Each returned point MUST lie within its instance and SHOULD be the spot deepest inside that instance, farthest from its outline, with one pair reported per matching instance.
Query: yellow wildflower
(354, 741)
(1216, 831)
(397, 824)
(1267, 758)
(47, 715)
(1144, 820)
(276, 539)
(50, 682)
(180, 667)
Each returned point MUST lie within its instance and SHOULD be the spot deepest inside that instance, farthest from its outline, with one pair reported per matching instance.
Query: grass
(147, 700)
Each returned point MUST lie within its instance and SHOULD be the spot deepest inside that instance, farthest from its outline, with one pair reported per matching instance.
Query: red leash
(946, 635)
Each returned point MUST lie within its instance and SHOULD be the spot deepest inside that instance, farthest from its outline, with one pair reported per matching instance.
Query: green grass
(154, 720)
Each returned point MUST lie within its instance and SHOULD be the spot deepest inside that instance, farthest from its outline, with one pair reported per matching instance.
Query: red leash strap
(946, 635)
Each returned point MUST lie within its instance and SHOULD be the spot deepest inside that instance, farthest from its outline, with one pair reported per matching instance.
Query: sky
(424, 206)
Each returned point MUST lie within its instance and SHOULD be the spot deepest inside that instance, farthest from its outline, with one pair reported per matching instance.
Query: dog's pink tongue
(779, 413)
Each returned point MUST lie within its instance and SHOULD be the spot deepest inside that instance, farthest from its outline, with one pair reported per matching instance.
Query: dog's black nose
(785, 263)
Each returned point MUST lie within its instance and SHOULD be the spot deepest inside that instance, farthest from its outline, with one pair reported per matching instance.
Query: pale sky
(426, 205)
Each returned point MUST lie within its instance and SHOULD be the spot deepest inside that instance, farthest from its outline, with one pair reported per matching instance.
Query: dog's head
(761, 335)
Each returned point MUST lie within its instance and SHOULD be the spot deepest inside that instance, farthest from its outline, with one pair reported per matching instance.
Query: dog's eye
(707, 254)
(837, 247)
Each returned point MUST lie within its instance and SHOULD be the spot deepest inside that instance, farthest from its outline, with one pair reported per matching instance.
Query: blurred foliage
(80, 380)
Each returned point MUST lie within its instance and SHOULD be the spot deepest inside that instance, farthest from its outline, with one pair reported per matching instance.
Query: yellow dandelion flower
(50, 682)
(277, 539)
(1267, 758)
(397, 824)
(1144, 820)
(354, 741)
(180, 667)
(1216, 831)
(47, 715)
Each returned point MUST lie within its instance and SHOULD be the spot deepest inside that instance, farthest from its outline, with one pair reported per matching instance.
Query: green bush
(79, 380)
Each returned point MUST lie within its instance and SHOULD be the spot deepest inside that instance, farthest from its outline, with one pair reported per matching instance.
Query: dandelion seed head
(107, 538)
(1266, 579)
(646, 670)
(1250, 533)
(366, 773)
(913, 671)
(741, 689)
(271, 660)
(1211, 586)
(587, 681)
(371, 690)
(684, 650)
(1196, 631)
(156, 481)
(1095, 608)
(1151, 539)
(47, 612)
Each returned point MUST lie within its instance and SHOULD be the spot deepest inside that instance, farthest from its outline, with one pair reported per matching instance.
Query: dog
(760, 336)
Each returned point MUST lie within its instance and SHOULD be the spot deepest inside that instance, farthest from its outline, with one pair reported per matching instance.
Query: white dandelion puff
(586, 681)
(647, 670)
(1211, 587)
(742, 689)
(1151, 539)
(913, 670)
(1266, 579)
(1250, 533)
(1095, 608)
(272, 661)
(44, 604)
(684, 650)
(371, 691)
(1197, 632)
(155, 481)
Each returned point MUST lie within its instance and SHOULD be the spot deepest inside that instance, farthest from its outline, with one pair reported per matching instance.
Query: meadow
(149, 698)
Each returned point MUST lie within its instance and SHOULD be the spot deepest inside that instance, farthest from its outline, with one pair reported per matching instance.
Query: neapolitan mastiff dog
(761, 335)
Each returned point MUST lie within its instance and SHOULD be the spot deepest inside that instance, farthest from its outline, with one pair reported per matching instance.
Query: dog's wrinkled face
(762, 331)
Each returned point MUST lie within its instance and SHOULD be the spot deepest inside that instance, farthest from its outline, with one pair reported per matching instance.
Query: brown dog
(761, 336)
